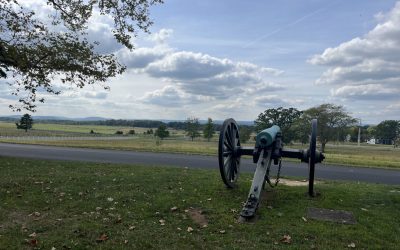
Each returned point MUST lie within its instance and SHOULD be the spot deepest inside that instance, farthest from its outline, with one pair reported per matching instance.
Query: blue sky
(223, 59)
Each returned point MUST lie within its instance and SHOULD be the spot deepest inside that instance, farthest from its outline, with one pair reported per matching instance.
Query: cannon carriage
(268, 150)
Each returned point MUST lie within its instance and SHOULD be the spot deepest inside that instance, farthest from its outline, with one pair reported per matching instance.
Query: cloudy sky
(223, 59)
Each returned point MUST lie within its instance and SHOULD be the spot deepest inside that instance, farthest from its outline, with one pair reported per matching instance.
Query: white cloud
(140, 58)
(161, 36)
(367, 92)
(96, 95)
(366, 67)
(171, 96)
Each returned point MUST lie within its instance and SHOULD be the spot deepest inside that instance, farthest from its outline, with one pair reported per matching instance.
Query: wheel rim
(228, 152)
(311, 161)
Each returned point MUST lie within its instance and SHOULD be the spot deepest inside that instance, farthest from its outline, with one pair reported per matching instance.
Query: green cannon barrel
(266, 137)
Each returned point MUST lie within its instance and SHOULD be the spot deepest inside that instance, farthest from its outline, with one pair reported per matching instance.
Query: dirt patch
(197, 216)
(293, 183)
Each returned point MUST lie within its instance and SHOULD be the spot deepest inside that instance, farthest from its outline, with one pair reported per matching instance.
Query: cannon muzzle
(266, 137)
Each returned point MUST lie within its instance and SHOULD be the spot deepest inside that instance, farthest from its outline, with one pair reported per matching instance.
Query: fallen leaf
(173, 209)
(304, 219)
(209, 199)
(33, 242)
(53, 248)
(286, 239)
(351, 245)
(178, 228)
(102, 238)
(37, 214)
(190, 229)
(33, 235)
(364, 209)
(162, 222)
(132, 227)
(222, 231)
(110, 199)
(125, 241)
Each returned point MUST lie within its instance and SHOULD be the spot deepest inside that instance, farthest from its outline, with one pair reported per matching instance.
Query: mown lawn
(73, 205)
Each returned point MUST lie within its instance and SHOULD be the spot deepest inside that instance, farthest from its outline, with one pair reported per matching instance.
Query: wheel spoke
(228, 136)
(229, 146)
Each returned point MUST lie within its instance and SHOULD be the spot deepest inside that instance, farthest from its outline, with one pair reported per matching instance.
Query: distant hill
(53, 118)
(61, 119)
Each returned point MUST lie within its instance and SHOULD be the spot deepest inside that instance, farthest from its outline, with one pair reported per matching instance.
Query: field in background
(382, 156)
(71, 205)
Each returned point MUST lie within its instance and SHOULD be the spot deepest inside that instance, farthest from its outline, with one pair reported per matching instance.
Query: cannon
(268, 149)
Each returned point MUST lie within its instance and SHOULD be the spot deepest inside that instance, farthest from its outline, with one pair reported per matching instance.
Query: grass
(44, 129)
(72, 205)
(380, 156)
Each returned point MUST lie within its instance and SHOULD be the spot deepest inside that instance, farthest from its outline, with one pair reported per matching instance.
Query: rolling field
(382, 156)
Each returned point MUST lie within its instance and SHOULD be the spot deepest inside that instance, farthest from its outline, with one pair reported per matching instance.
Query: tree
(388, 129)
(282, 117)
(209, 131)
(25, 122)
(244, 133)
(162, 132)
(34, 52)
(192, 127)
(332, 120)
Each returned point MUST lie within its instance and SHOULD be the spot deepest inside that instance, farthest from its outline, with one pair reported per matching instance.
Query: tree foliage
(192, 127)
(282, 117)
(25, 122)
(332, 121)
(162, 131)
(209, 131)
(34, 53)
(244, 133)
(388, 129)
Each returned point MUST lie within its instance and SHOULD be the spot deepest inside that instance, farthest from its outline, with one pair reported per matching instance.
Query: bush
(119, 132)
(131, 132)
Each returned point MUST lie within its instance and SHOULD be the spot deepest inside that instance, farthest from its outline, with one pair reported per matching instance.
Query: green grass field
(381, 156)
(72, 205)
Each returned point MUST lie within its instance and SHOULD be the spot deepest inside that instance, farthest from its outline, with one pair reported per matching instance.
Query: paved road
(193, 161)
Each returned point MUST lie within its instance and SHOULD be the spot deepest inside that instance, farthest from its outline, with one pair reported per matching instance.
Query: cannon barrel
(266, 137)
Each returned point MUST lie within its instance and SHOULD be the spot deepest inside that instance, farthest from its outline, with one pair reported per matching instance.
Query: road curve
(323, 171)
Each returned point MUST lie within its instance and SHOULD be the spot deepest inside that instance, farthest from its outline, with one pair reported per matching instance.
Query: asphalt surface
(323, 171)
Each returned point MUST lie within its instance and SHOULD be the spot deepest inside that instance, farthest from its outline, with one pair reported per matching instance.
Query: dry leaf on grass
(351, 245)
(162, 222)
(173, 209)
(33, 242)
(286, 239)
(102, 238)
(190, 229)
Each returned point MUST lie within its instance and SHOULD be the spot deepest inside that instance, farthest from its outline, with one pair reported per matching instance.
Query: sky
(233, 58)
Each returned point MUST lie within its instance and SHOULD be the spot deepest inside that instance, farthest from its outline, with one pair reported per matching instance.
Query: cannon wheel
(312, 153)
(228, 152)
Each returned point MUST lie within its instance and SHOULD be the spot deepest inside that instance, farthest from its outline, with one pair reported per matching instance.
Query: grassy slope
(67, 194)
